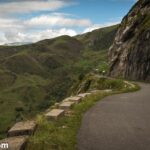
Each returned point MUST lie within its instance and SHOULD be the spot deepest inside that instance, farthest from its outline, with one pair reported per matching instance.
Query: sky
(35, 20)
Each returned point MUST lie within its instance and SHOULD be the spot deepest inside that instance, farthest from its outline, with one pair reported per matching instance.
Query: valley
(33, 77)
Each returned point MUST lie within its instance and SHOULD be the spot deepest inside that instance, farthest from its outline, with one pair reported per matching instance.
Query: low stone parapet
(54, 114)
(83, 95)
(66, 105)
(22, 128)
(14, 143)
(75, 99)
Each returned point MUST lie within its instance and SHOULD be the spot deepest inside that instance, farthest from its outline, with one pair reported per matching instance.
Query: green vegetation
(61, 134)
(34, 76)
(104, 83)
(94, 81)
(100, 39)
(92, 60)
(146, 23)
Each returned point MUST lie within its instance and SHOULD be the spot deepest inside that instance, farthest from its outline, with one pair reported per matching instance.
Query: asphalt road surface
(119, 122)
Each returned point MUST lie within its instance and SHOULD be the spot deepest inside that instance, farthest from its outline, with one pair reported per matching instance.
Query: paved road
(119, 122)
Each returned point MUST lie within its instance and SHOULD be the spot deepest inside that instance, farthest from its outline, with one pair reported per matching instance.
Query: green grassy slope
(33, 77)
(100, 39)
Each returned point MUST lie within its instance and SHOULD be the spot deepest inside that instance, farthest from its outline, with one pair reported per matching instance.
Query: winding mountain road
(118, 122)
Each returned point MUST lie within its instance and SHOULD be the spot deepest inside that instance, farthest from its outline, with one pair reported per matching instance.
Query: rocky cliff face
(130, 53)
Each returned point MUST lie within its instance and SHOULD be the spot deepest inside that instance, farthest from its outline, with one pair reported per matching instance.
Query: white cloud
(50, 33)
(39, 28)
(44, 27)
(13, 29)
(3, 39)
(44, 21)
(26, 6)
(57, 20)
(15, 36)
(23, 31)
(8, 23)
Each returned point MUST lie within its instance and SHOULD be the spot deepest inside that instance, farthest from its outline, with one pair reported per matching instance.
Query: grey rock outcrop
(130, 53)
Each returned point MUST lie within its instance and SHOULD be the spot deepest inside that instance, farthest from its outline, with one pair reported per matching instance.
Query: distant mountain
(17, 44)
(34, 76)
(130, 53)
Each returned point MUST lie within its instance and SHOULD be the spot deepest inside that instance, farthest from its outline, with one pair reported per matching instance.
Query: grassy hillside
(33, 77)
(100, 39)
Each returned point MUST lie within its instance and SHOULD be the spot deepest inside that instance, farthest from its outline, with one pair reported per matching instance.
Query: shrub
(105, 83)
